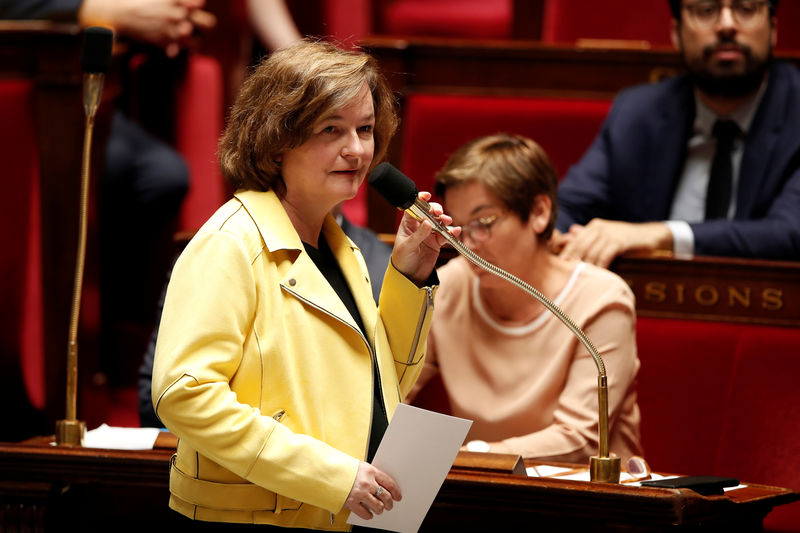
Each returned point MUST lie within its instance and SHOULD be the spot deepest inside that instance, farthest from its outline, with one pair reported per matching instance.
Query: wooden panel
(714, 288)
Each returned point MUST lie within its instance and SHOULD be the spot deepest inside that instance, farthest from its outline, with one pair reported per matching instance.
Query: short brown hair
(514, 168)
(285, 96)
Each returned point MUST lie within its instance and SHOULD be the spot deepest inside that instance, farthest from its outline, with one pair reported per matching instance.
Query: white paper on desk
(117, 438)
(417, 450)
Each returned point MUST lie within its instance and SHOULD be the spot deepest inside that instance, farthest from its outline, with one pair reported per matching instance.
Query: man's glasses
(480, 229)
(746, 13)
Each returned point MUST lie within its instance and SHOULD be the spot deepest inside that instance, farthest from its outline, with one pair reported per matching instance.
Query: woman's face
(491, 230)
(330, 166)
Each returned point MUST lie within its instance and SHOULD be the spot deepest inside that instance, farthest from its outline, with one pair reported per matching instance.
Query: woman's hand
(416, 247)
(373, 492)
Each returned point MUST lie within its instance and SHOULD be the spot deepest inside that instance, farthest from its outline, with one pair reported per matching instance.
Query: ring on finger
(379, 492)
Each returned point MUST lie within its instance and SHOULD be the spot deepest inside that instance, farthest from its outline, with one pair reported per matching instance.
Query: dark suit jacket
(632, 169)
(40, 9)
(376, 253)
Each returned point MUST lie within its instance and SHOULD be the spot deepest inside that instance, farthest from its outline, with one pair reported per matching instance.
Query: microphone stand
(70, 431)
(602, 467)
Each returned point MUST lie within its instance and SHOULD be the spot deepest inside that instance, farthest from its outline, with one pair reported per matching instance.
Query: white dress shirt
(689, 202)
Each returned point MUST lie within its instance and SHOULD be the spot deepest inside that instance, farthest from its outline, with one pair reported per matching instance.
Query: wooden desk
(47, 488)
(723, 289)
(714, 288)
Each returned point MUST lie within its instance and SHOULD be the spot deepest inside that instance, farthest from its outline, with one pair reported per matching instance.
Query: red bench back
(21, 331)
(435, 125)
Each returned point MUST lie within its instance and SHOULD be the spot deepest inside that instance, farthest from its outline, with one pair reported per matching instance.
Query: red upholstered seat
(682, 389)
(566, 21)
(436, 125)
(199, 116)
(451, 18)
(760, 440)
(21, 330)
(788, 25)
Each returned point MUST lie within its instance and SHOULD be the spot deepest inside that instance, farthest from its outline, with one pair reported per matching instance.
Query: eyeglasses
(480, 229)
(635, 470)
(746, 13)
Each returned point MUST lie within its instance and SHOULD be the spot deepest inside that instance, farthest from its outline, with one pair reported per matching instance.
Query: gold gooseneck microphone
(95, 60)
(400, 191)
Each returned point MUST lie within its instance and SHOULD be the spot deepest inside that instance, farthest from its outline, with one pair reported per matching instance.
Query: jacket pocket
(227, 496)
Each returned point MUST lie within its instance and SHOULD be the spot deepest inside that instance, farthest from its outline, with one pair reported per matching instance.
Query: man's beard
(730, 85)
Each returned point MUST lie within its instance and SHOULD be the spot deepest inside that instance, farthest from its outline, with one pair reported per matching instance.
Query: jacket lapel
(673, 128)
(763, 137)
(355, 272)
(303, 278)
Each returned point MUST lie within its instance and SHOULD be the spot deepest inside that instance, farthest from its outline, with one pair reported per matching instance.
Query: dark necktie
(720, 181)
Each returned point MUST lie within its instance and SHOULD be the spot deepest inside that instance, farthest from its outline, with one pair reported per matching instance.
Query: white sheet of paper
(117, 438)
(417, 450)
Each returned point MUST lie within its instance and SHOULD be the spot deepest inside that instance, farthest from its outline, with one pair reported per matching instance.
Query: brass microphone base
(70, 432)
(604, 469)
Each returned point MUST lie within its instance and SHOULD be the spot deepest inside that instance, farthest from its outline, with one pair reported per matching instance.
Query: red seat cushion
(683, 389)
(21, 331)
(761, 436)
(566, 21)
(451, 18)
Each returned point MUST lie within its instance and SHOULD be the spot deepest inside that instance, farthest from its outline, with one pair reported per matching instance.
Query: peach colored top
(532, 389)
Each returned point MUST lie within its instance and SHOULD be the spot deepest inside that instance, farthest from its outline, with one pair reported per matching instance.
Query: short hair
(285, 96)
(514, 168)
(675, 5)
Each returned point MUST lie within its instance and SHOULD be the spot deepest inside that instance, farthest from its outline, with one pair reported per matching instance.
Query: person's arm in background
(165, 23)
(600, 241)
(776, 235)
(273, 23)
(585, 191)
(585, 229)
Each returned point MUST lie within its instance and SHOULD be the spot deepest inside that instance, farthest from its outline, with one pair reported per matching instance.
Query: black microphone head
(96, 51)
(398, 189)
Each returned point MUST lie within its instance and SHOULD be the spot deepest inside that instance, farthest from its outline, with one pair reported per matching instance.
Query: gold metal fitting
(70, 432)
(604, 469)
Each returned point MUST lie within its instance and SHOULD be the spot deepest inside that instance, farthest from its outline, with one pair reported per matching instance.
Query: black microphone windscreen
(397, 188)
(96, 52)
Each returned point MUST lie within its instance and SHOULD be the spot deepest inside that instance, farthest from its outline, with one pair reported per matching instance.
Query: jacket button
(292, 282)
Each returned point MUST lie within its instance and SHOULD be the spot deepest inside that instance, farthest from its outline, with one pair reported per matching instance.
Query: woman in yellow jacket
(273, 366)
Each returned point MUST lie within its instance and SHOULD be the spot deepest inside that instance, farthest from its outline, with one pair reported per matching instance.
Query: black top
(326, 263)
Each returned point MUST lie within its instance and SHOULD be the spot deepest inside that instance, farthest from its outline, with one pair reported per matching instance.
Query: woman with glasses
(506, 362)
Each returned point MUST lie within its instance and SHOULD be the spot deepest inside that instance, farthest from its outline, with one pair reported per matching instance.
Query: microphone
(400, 191)
(95, 60)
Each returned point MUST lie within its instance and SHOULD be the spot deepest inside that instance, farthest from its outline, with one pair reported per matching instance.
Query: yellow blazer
(263, 374)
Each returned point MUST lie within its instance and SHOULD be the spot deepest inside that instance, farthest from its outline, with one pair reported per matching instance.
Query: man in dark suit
(662, 175)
